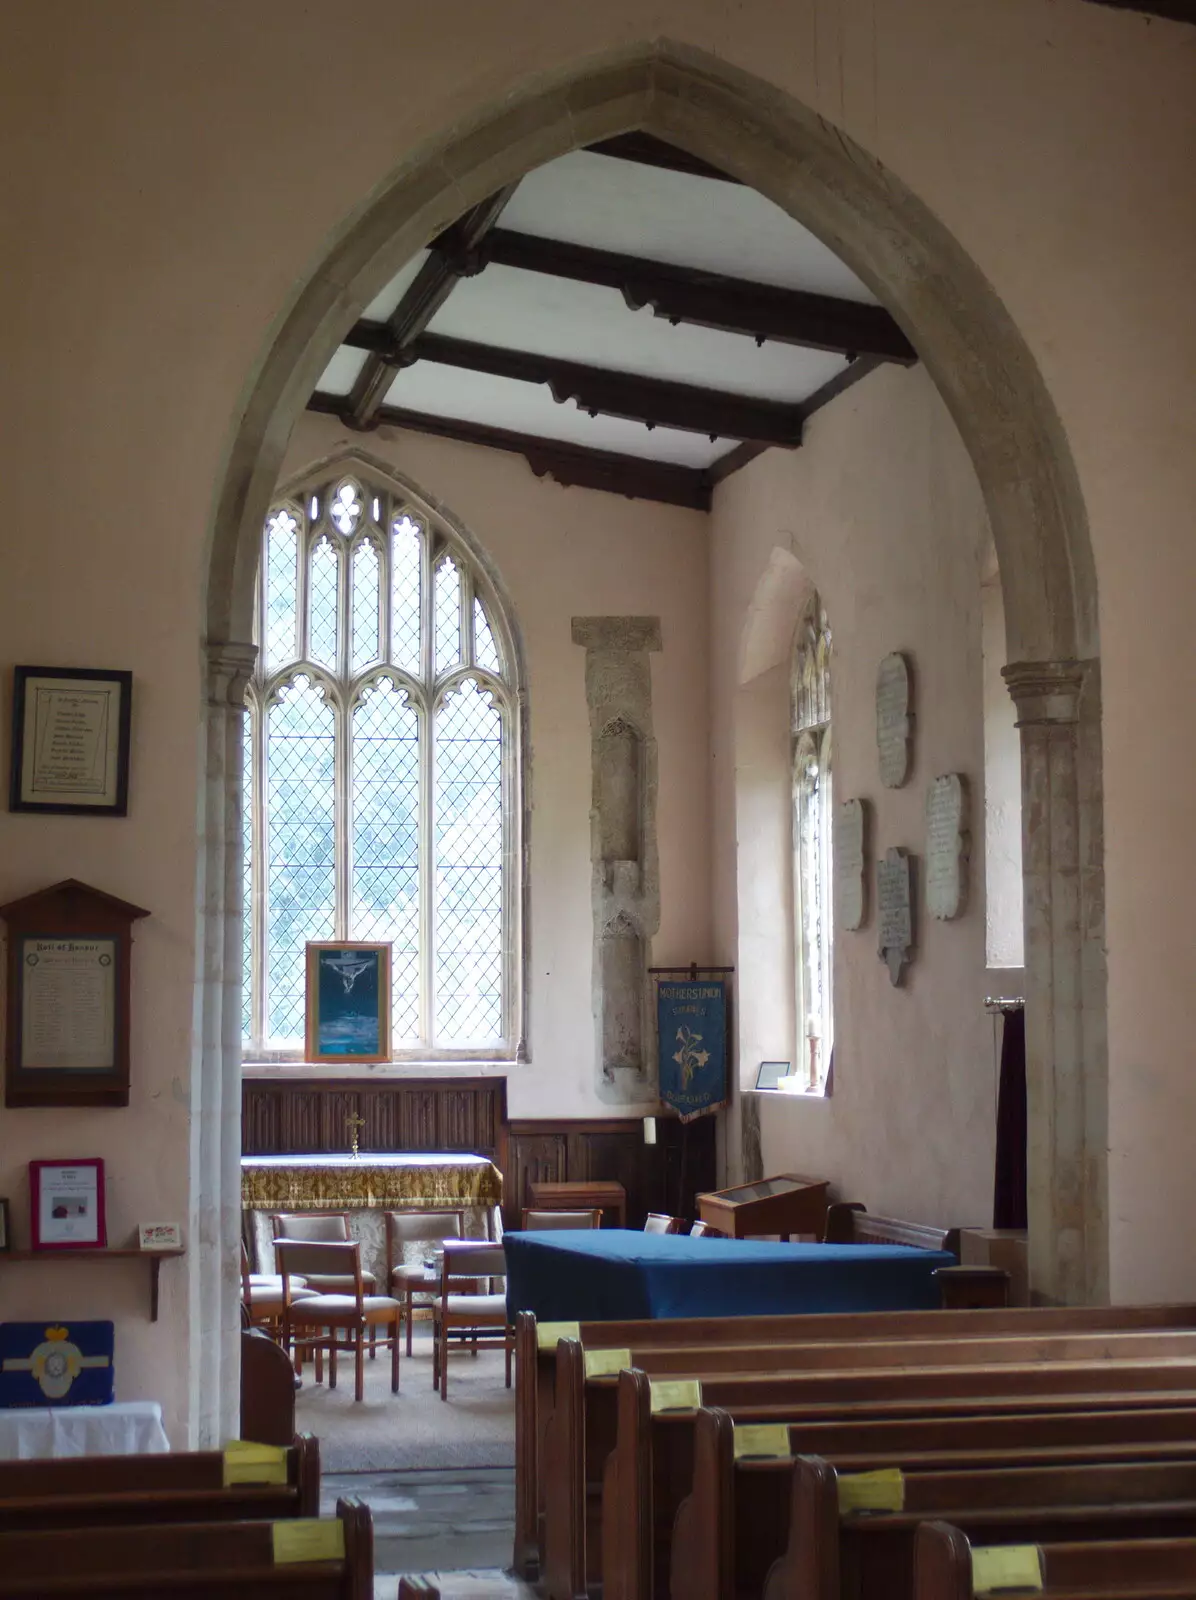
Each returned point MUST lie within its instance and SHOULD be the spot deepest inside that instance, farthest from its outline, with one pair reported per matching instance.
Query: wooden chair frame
(411, 1287)
(319, 1312)
(488, 1261)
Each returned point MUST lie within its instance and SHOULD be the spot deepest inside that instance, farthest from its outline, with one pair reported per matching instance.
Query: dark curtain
(1009, 1190)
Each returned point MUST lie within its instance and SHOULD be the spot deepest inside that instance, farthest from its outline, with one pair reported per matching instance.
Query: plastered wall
(563, 553)
(173, 173)
(881, 511)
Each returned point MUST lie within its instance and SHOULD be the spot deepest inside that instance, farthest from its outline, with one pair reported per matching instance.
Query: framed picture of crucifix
(348, 1001)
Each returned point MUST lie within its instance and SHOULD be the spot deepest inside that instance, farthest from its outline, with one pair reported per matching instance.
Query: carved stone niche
(625, 882)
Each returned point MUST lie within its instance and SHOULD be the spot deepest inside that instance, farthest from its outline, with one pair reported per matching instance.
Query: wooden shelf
(154, 1257)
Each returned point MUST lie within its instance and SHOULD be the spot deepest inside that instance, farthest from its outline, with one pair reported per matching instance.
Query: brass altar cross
(353, 1123)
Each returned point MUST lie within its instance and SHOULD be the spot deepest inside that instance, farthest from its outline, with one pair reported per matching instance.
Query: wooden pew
(582, 1430)
(536, 1363)
(80, 1491)
(734, 1522)
(832, 1556)
(1103, 1569)
(227, 1560)
(848, 1222)
(267, 1390)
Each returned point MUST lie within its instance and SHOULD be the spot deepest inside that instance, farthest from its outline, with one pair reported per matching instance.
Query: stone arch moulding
(990, 382)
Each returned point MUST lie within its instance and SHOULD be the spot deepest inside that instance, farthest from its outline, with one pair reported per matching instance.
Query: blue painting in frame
(691, 1024)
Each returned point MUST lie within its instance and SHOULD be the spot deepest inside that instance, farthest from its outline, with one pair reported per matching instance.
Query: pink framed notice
(66, 1205)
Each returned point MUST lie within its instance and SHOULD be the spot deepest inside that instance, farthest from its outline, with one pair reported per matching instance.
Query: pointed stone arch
(996, 394)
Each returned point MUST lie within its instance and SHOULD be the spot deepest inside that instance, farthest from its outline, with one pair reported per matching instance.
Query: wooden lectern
(787, 1204)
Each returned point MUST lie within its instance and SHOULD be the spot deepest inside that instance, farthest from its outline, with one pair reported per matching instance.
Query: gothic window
(810, 731)
(381, 771)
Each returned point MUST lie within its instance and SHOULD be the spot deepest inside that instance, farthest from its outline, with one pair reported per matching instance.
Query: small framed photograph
(159, 1236)
(70, 740)
(5, 1227)
(348, 1002)
(67, 1205)
(770, 1073)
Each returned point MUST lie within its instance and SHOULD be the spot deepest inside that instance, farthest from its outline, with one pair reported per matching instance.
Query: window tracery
(380, 760)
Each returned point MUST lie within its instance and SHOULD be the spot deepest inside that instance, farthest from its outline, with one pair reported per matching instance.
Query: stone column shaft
(1066, 1055)
(216, 1077)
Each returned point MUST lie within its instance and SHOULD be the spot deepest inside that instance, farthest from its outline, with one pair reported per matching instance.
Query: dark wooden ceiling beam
(655, 401)
(571, 465)
(454, 255)
(1171, 10)
(648, 151)
(711, 300)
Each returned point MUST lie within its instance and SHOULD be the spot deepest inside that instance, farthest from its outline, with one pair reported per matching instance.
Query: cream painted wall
(562, 553)
(880, 510)
(175, 171)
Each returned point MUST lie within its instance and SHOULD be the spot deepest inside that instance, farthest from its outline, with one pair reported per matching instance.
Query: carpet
(413, 1429)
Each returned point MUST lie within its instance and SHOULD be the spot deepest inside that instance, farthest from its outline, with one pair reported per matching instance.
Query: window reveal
(810, 728)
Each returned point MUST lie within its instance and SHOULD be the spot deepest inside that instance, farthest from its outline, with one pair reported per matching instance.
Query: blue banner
(56, 1363)
(691, 1019)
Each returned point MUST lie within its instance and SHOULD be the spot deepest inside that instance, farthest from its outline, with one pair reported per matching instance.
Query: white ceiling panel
(672, 216)
(583, 322)
(530, 408)
(381, 306)
(340, 374)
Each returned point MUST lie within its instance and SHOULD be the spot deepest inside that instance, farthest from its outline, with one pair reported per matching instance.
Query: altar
(366, 1186)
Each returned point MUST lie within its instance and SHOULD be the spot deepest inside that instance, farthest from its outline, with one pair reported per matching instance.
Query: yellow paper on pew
(762, 1441)
(604, 1363)
(246, 1462)
(1004, 1568)
(309, 1539)
(883, 1490)
(547, 1333)
(681, 1394)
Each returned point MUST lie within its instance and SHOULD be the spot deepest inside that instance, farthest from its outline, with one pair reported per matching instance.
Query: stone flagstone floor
(456, 1523)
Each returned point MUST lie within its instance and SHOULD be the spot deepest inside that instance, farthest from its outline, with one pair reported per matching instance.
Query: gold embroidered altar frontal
(338, 1183)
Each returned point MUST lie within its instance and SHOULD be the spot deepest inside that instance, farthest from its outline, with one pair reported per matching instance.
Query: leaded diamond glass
(366, 573)
(345, 509)
(384, 901)
(468, 883)
(324, 621)
(406, 590)
(448, 614)
(300, 846)
(282, 555)
(371, 815)
(485, 650)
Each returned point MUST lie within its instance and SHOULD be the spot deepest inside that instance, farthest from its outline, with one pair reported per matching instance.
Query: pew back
(183, 1486)
(231, 1560)
(1103, 1569)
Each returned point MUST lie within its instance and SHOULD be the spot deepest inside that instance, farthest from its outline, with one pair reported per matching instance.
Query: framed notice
(67, 1036)
(70, 740)
(348, 1001)
(66, 1205)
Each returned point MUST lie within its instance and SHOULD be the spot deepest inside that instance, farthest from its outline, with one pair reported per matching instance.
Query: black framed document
(70, 740)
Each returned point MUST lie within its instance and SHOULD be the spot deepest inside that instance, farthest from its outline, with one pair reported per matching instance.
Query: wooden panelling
(660, 1177)
(310, 1117)
(289, 1117)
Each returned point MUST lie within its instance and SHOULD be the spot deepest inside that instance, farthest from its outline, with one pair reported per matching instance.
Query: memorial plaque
(851, 895)
(894, 903)
(947, 846)
(894, 720)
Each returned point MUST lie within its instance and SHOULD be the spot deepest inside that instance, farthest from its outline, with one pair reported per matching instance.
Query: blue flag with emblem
(56, 1364)
(691, 1021)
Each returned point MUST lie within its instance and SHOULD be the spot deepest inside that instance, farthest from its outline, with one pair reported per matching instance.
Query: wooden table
(594, 1196)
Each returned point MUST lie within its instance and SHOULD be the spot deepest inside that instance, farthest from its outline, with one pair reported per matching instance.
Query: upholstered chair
(472, 1315)
(321, 1227)
(407, 1279)
(317, 1322)
(545, 1221)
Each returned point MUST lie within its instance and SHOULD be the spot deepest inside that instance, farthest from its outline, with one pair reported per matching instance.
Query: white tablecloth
(125, 1428)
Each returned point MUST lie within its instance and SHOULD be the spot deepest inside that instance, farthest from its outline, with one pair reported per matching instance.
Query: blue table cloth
(613, 1274)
